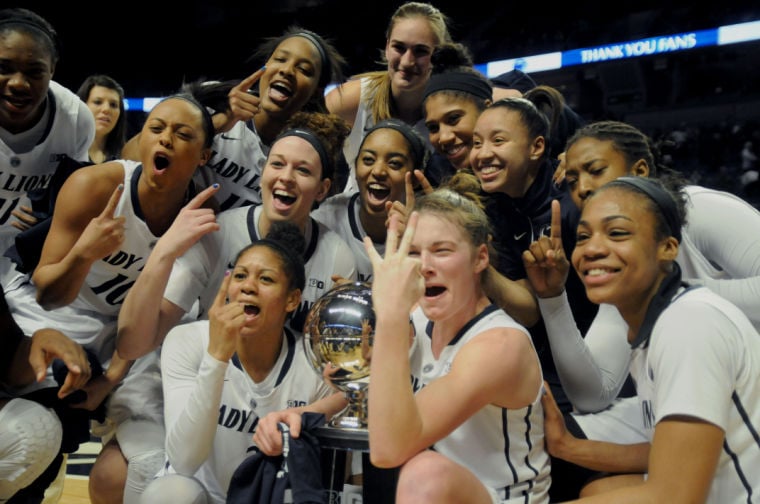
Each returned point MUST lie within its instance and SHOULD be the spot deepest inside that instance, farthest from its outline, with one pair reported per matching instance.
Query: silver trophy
(338, 336)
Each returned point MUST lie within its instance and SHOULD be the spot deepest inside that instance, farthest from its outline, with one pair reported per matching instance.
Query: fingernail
(216, 185)
(227, 273)
(121, 186)
(264, 67)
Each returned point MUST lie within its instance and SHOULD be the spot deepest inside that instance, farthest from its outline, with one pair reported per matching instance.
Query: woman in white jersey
(106, 221)
(715, 251)
(390, 152)
(296, 178)
(696, 357)
(221, 375)
(414, 30)
(249, 113)
(469, 426)
(41, 122)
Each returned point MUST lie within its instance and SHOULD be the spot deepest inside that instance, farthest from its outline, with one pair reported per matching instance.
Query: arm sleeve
(192, 382)
(592, 369)
(724, 230)
(194, 272)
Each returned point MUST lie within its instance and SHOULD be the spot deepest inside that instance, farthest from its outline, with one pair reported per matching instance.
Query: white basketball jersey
(237, 159)
(200, 271)
(503, 447)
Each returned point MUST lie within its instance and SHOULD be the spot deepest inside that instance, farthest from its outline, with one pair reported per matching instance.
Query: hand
(402, 209)
(96, 390)
(268, 437)
(555, 430)
(105, 233)
(225, 321)
(25, 216)
(190, 225)
(49, 344)
(242, 105)
(339, 280)
(545, 263)
(397, 279)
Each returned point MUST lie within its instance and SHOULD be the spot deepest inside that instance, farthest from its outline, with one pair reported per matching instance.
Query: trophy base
(341, 438)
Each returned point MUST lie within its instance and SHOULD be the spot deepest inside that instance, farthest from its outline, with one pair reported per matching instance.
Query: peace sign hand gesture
(397, 282)
(545, 262)
(402, 209)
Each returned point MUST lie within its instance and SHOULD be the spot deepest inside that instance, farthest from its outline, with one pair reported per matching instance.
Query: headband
(664, 201)
(31, 24)
(315, 142)
(324, 73)
(459, 81)
(416, 144)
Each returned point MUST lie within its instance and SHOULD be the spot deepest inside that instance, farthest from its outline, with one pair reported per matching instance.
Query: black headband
(664, 201)
(37, 26)
(416, 144)
(315, 142)
(324, 74)
(459, 81)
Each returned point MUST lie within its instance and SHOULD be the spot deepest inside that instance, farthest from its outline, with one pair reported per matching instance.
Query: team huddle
(559, 315)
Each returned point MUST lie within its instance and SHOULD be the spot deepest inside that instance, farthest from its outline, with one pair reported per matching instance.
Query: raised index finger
(556, 229)
(249, 81)
(425, 184)
(113, 201)
(406, 240)
(221, 296)
(202, 196)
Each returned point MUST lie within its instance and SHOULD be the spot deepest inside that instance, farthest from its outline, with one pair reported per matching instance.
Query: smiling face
(291, 77)
(503, 156)
(408, 51)
(617, 255)
(451, 267)
(172, 144)
(450, 121)
(381, 165)
(591, 163)
(291, 182)
(26, 68)
(260, 283)
(104, 104)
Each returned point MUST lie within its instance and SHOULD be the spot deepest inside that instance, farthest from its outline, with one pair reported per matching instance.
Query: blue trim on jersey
(311, 247)
(732, 454)
(505, 434)
(528, 426)
(353, 224)
(291, 341)
(135, 200)
(486, 311)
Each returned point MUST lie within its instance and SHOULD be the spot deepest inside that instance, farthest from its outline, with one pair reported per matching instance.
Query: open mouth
(284, 197)
(250, 309)
(378, 192)
(160, 162)
(279, 91)
(434, 291)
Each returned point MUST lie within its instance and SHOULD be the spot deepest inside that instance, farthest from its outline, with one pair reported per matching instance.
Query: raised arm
(84, 229)
(592, 369)
(146, 317)
(344, 99)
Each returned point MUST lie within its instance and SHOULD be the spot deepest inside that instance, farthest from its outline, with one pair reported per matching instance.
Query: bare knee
(609, 483)
(108, 476)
